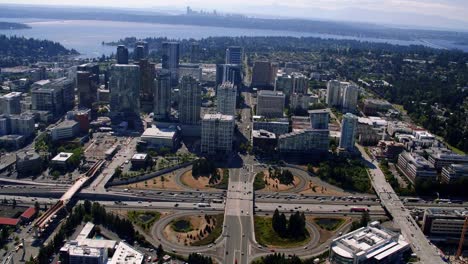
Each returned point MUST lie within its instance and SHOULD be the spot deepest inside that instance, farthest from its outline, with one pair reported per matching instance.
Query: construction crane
(462, 237)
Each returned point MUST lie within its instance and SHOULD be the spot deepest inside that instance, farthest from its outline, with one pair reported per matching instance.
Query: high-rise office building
(170, 59)
(138, 53)
(147, 75)
(189, 101)
(22, 125)
(234, 55)
(284, 83)
(333, 93)
(190, 69)
(10, 104)
(145, 46)
(350, 98)
(162, 95)
(194, 52)
(300, 83)
(348, 131)
(226, 95)
(47, 98)
(270, 104)
(87, 83)
(319, 119)
(229, 73)
(264, 74)
(124, 84)
(122, 55)
(217, 134)
(68, 91)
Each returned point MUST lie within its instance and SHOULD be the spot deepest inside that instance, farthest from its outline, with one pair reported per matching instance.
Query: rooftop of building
(11, 95)
(27, 155)
(11, 137)
(125, 254)
(449, 156)
(372, 121)
(158, 132)
(376, 101)
(218, 116)
(9, 221)
(258, 118)
(417, 160)
(423, 133)
(42, 82)
(139, 156)
(319, 111)
(372, 241)
(302, 131)
(446, 212)
(29, 213)
(85, 251)
(270, 93)
(457, 168)
(66, 124)
(263, 134)
(62, 157)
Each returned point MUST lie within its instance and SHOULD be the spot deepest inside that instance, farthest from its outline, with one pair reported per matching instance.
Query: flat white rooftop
(125, 254)
(139, 156)
(218, 117)
(62, 157)
(154, 132)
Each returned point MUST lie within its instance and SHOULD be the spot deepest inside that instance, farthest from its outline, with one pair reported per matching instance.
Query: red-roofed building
(5, 221)
(29, 214)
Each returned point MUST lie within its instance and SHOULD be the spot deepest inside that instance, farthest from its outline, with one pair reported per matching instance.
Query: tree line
(16, 50)
(295, 227)
(95, 213)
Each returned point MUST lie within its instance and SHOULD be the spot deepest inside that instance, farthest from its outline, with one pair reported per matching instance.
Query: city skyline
(448, 14)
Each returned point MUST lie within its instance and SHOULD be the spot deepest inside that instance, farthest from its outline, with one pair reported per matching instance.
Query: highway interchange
(240, 203)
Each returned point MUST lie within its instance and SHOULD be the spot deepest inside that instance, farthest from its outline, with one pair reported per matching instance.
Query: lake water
(87, 36)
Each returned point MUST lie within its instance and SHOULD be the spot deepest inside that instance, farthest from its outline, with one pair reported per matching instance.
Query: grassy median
(266, 236)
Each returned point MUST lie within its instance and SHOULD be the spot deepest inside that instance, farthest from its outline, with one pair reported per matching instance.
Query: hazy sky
(433, 13)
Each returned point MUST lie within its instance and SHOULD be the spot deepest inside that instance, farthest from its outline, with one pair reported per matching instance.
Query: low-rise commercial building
(28, 163)
(12, 141)
(373, 106)
(371, 244)
(65, 130)
(158, 138)
(443, 159)
(126, 254)
(140, 160)
(61, 159)
(279, 126)
(415, 167)
(442, 224)
(398, 127)
(453, 172)
(217, 134)
(264, 140)
(270, 103)
(305, 141)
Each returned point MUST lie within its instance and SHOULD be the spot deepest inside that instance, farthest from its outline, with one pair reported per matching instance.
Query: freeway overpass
(49, 216)
(426, 252)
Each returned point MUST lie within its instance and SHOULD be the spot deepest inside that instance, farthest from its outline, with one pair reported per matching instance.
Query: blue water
(86, 36)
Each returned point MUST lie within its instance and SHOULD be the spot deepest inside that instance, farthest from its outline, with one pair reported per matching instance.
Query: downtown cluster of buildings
(305, 131)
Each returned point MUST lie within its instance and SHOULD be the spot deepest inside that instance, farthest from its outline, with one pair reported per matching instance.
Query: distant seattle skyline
(444, 14)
